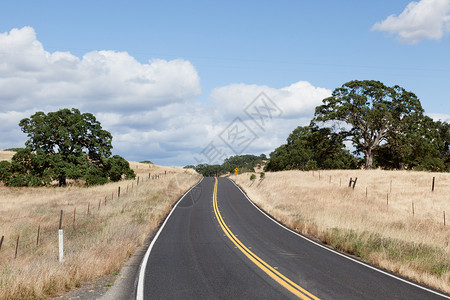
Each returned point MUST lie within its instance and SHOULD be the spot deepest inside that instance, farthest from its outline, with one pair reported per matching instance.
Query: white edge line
(336, 252)
(140, 287)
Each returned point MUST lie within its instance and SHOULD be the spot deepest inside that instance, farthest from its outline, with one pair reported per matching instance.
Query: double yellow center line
(272, 272)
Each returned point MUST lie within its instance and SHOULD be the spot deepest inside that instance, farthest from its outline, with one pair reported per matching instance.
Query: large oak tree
(368, 113)
(65, 144)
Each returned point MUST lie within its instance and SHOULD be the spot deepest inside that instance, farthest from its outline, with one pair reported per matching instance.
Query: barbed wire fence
(74, 223)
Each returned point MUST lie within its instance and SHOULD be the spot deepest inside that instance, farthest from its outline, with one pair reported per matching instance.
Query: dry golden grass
(96, 244)
(384, 234)
(6, 155)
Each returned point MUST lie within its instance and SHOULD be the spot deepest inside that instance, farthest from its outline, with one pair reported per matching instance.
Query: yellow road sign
(236, 171)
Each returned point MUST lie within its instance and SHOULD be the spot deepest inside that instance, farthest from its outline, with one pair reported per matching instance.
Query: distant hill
(6, 155)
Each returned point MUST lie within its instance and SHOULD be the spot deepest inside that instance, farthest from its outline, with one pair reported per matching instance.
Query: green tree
(311, 147)
(210, 170)
(26, 169)
(118, 166)
(368, 113)
(64, 145)
(66, 136)
(443, 129)
(245, 163)
(5, 170)
(420, 145)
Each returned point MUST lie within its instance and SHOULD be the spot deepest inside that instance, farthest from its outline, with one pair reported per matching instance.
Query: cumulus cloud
(151, 109)
(426, 19)
(289, 107)
(101, 80)
(296, 100)
(440, 117)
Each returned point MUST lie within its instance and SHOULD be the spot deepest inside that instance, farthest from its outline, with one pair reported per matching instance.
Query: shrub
(96, 176)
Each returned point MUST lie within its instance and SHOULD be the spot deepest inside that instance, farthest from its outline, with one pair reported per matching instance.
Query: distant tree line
(64, 145)
(386, 126)
(245, 163)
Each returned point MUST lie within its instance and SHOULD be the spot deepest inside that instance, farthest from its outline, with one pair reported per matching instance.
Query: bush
(34, 180)
(146, 162)
(5, 170)
(117, 166)
(252, 177)
(96, 176)
(17, 180)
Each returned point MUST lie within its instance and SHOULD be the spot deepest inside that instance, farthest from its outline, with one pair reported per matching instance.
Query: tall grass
(380, 228)
(96, 244)
(6, 155)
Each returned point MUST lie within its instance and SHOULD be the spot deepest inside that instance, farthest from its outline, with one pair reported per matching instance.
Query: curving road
(216, 244)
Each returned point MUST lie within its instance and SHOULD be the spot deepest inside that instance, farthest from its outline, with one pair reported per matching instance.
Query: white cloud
(296, 100)
(31, 77)
(151, 109)
(420, 20)
(440, 117)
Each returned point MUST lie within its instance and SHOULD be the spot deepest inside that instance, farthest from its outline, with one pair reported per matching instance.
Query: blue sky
(206, 60)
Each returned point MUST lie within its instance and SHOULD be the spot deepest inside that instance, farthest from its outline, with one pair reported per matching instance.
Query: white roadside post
(61, 239)
(61, 245)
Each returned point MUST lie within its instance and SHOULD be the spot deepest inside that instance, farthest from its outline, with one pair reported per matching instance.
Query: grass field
(6, 155)
(379, 228)
(95, 244)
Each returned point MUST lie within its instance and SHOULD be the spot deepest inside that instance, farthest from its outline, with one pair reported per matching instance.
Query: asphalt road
(217, 245)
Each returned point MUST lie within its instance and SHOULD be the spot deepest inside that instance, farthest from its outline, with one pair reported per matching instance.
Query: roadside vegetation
(245, 163)
(364, 124)
(385, 125)
(64, 145)
(398, 226)
(96, 244)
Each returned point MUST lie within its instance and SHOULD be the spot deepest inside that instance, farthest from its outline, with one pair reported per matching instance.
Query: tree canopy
(385, 124)
(245, 163)
(311, 147)
(368, 113)
(64, 145)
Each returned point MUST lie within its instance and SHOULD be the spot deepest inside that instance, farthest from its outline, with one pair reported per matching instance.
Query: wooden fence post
(17, 246)
(118, 192)
(60, 219)
(432, 185)
(387, 200)
(1, 242)
(39, 232)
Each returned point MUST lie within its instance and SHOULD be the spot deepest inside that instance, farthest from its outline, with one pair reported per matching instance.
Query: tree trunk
(369, 159)
(62, 180)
